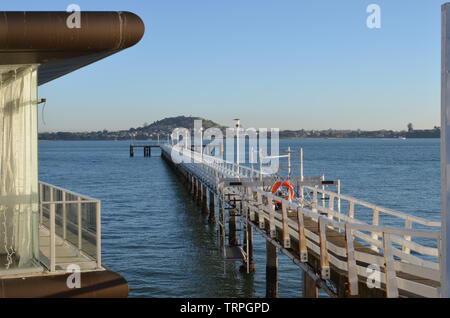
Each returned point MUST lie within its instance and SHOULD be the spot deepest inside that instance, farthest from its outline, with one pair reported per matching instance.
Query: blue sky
(289, 64)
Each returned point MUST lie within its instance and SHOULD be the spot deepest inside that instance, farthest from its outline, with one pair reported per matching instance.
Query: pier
(319, 230)
(146, 147)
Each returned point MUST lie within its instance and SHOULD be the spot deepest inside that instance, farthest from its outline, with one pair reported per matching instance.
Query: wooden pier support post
(221, 221)
(205, 199)
(198, 191)
(232, 228)
(310, 289)
(212, 208)
(249, 265)
(271, 271)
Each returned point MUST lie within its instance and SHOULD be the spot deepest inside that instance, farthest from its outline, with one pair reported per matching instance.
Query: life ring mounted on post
(287, 194)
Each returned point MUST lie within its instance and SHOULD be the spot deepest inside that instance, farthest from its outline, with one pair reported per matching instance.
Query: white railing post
(79, 217)
(301, 165)
(339, 199)
(351, 209)
(445, 153)
(408, 226)
(41, 206)
(375, 222)
(52, 233)
(64, 215)
(351, 262)
(323, 193)
(324, 260)
(285, 224)
(98, 214)
(389, 271)
(289, 162)
(315, 201)
(303, 251)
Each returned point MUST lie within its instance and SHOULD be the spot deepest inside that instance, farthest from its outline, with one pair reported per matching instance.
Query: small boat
(402, 138)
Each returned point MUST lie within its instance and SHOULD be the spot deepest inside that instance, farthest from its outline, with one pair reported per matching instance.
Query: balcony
(69, 229)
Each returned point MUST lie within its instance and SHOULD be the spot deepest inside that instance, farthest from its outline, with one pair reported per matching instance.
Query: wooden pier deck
(338, 253)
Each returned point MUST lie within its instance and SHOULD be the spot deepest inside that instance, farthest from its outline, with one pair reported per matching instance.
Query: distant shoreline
(281, 138)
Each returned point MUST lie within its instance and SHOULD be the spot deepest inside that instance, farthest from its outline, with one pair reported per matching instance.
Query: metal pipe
(445, 153)
(52, 235)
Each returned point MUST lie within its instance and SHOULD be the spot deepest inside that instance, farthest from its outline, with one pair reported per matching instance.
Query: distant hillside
(161, 128)
(167, 125)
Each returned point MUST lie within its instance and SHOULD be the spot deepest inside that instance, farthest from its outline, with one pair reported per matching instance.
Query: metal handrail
(52, 203)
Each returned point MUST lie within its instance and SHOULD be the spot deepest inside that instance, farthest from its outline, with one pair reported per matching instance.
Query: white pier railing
(70, 229)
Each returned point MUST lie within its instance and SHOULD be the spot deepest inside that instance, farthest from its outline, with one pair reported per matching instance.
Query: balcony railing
(70, 229)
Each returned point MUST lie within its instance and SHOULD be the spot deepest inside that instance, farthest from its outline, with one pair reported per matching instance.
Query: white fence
(404, 261)
(72, 218)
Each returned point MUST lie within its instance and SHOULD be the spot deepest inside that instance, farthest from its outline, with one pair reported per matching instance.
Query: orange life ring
(288, 186)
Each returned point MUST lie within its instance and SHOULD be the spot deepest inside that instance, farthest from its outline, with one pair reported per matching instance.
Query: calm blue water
(157, 238)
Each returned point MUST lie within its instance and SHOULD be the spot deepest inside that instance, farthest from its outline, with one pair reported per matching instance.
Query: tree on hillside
(410, 127)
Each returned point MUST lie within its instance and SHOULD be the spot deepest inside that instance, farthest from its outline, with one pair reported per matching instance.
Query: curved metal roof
(44, 38)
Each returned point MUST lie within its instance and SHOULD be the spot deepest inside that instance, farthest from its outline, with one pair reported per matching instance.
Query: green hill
(167, 125)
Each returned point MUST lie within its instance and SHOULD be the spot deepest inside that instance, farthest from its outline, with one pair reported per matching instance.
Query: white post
(80, 220)
(99, 234)
(323, 194)
(238, 125)
(260, 164)
(289, 162)
(52, 233)
(64, 215)
(252, 162)
(201, 143)
(41, 199)
(445, 152)
(339, 201)
(301, 165)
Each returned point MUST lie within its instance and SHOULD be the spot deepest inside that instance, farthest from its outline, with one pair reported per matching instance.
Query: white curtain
(18, 167)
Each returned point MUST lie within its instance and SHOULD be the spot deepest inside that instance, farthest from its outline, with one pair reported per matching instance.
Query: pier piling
(271, 271)
(212, 208)
(310, 289)
(249, 264)
(232, 228)
(205, 199)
